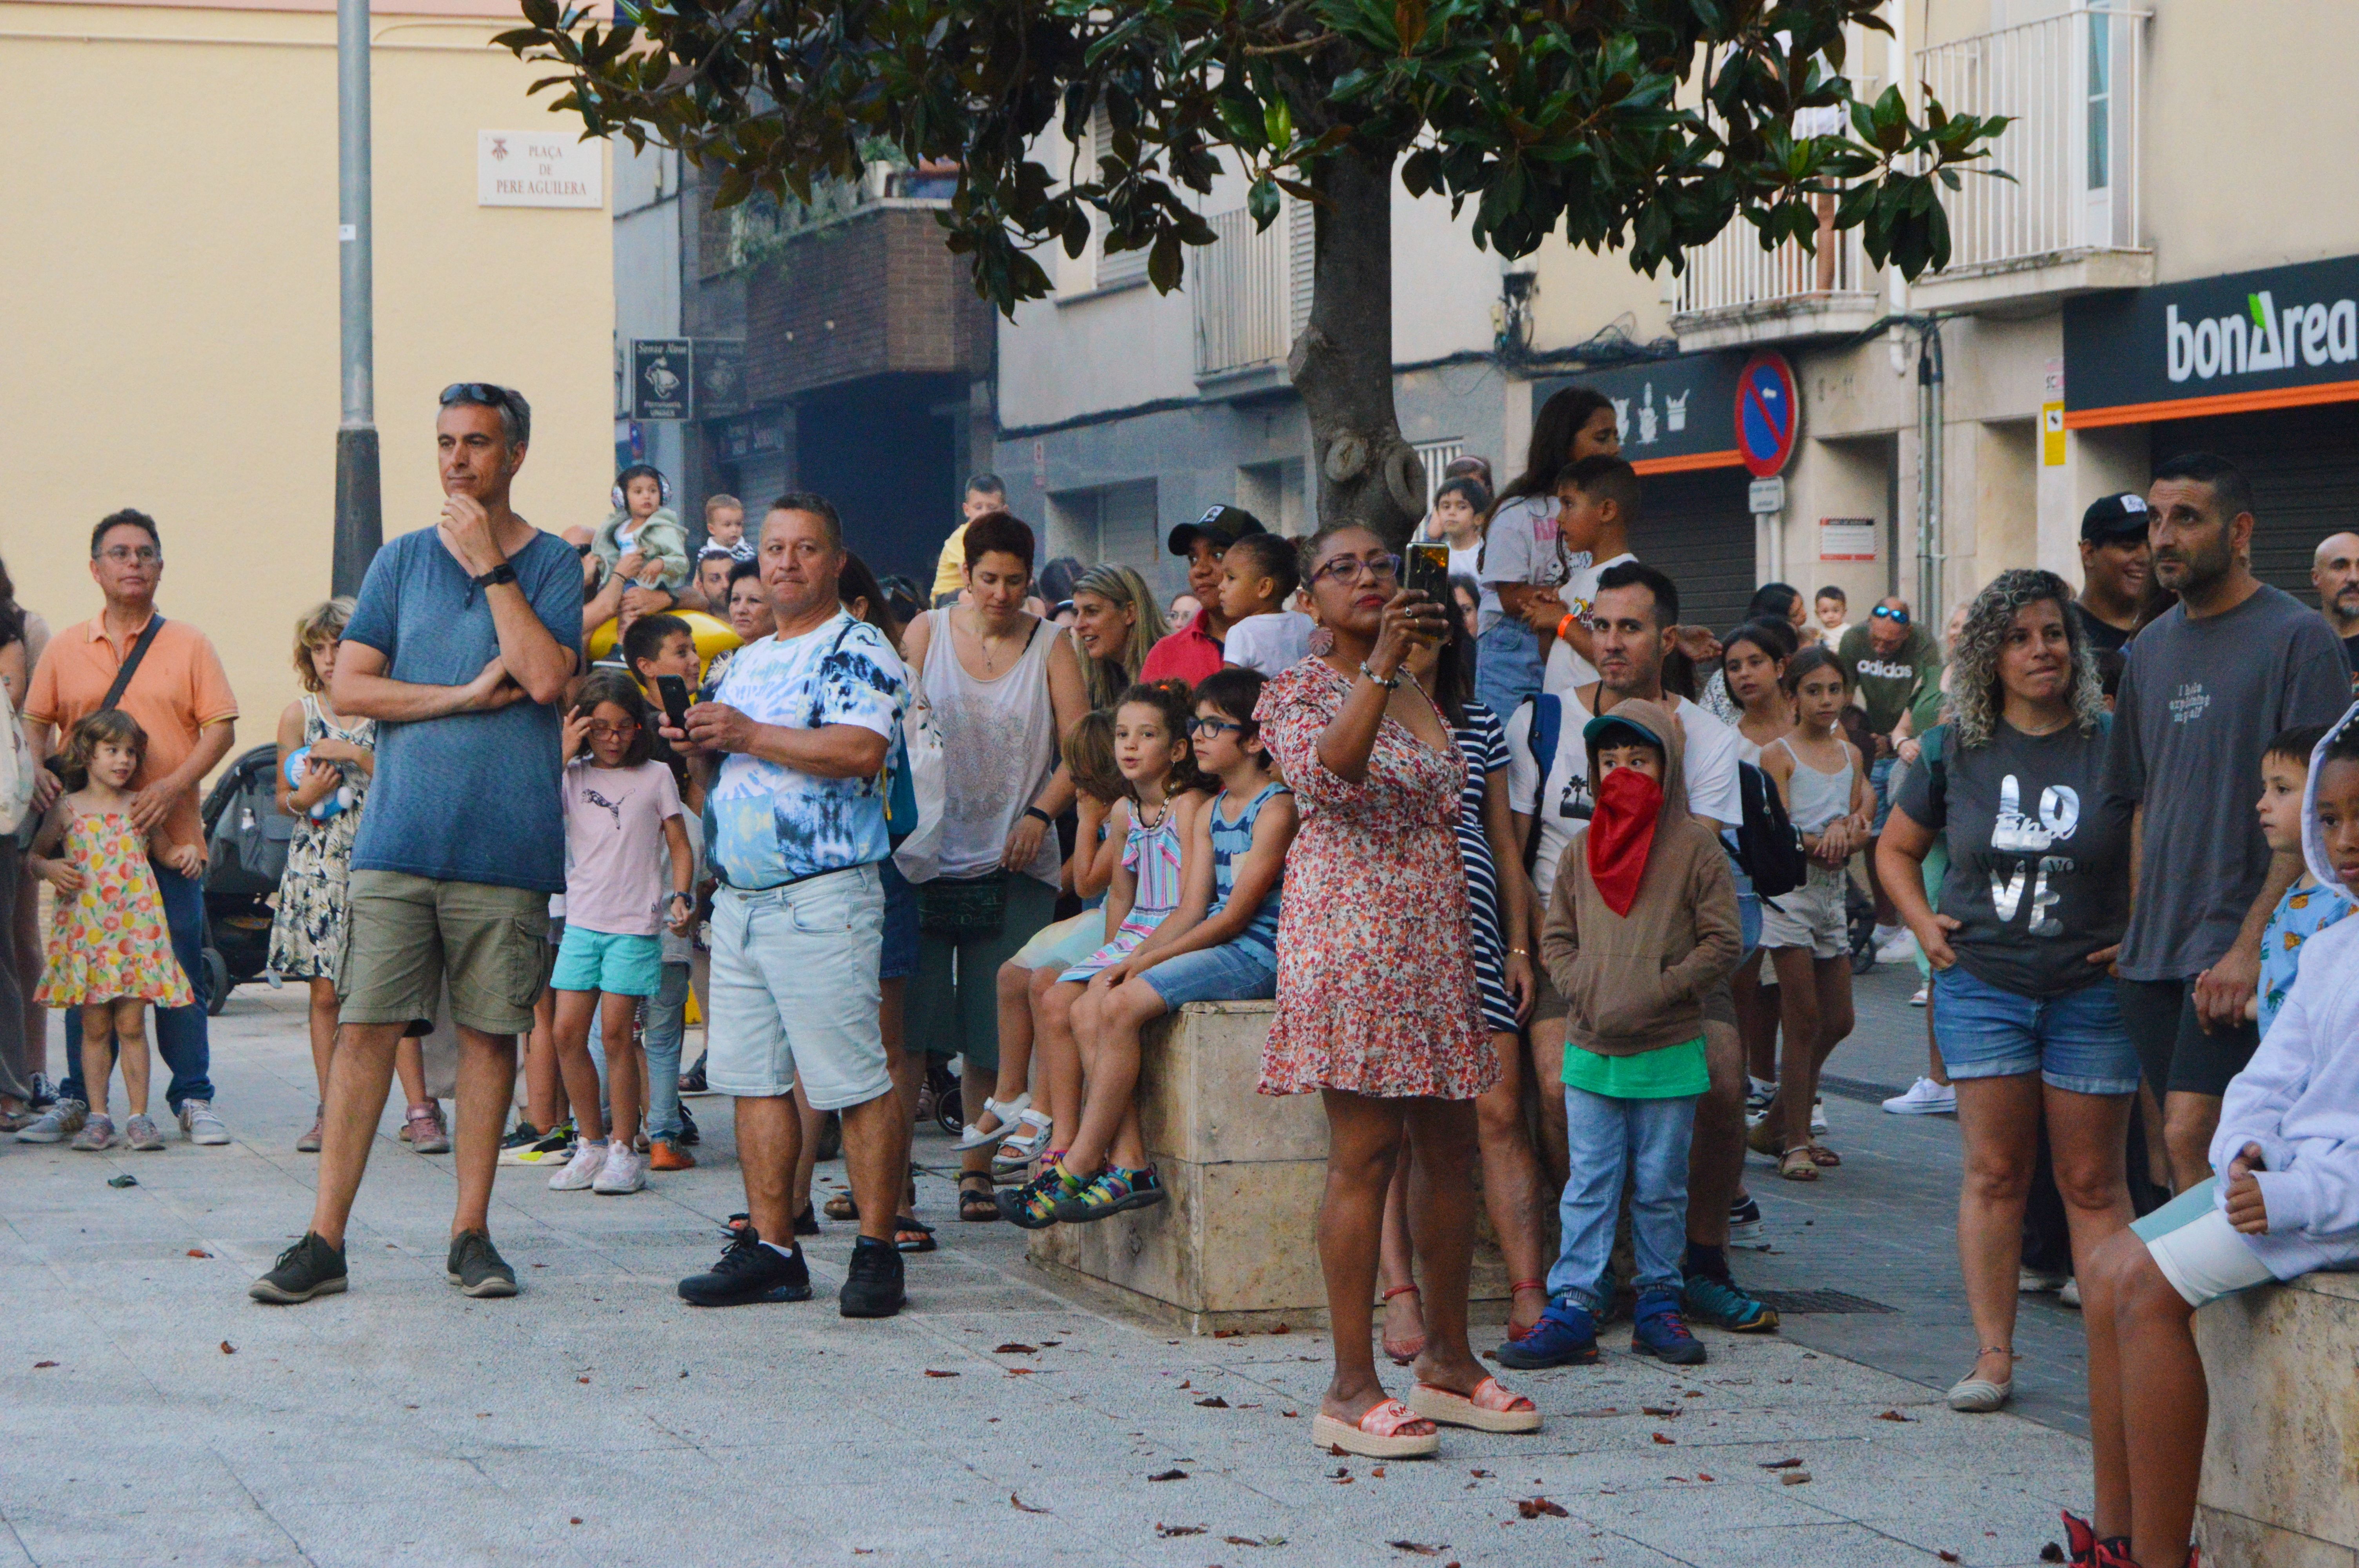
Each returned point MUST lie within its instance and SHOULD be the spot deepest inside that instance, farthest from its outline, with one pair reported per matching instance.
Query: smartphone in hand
(1427, 572)
(674, 692)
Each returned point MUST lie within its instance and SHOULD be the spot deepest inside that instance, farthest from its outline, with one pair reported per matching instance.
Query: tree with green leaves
(1641, 124)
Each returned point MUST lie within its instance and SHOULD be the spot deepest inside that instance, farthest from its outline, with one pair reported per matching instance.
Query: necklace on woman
(984, 641)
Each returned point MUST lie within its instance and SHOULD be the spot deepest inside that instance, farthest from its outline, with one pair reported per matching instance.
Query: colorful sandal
(1110, 1192)
(1403, 1352)
(1489, 1408)
(1390, 1430)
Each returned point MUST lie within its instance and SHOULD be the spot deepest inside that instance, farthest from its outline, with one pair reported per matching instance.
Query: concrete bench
(1235, 1247)
(2280, 1484)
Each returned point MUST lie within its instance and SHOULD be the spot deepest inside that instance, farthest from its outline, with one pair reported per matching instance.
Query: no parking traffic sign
(1768, 414)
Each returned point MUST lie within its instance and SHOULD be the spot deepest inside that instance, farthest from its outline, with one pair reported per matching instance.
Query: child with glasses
(623, 823)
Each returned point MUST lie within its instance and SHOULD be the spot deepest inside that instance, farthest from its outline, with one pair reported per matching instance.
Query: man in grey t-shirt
(2205, 687)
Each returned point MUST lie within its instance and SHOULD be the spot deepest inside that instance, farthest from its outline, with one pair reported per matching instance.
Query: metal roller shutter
(2304, 468)
(1695, 529)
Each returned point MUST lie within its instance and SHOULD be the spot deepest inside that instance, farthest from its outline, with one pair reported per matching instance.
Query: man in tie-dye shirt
(792, 747)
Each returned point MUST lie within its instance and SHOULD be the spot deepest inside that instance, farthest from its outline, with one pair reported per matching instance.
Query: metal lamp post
(360, 510)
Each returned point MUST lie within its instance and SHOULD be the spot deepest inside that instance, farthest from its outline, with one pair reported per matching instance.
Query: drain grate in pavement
(1809, 1302)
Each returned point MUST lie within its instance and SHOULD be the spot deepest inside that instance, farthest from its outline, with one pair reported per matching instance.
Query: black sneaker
(689, 1136)
(747, 1272)
(525, 1136)
(476, 1267)
(310, 1268)
(872, 1287)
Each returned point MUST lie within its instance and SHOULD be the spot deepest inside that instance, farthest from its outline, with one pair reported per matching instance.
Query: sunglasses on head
(1886, 613)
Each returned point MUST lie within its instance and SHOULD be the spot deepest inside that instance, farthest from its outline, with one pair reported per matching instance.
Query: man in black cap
(1194, 651)
(2117, 571)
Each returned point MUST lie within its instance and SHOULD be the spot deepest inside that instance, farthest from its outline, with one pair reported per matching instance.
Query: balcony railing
(1733, 271)
(2074, 85)
(1244, 294)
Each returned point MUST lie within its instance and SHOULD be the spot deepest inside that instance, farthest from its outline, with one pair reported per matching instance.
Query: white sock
(787, 1252)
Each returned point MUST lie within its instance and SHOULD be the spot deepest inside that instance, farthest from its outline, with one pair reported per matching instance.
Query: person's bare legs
(975, 1083)
(1511, 1183)
(812, 1123)
(574, 1011)
(1015, 998)
(1396, 1269)
(131, 1050)
(325, 1008)
(627, 1067)
(769, 1142)
(877, 1158)
(2158, 1151)
(1441, 1144)
(1716, 1146)
(409, 1066)
(97, 1053)
(1061, 1058)
(487, 1070)
(1548, 1068)
(544, 1085)
(1999, 1121)
(1798, 1055)
(1757, 1017)
(1110, 1020)
(2166, 1405)
(2109, 1449)
(26, 952)
(359, 1074)
(2189, 1120)
(2087, 1141)
(1364, 1138)
(902, 1064)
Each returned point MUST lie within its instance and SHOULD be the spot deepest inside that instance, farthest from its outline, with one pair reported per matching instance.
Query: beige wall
(171, 266)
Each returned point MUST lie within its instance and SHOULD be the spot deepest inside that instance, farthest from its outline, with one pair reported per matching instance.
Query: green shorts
(406, 936)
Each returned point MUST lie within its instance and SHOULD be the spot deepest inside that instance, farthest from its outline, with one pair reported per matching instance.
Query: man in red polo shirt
(1194, 651)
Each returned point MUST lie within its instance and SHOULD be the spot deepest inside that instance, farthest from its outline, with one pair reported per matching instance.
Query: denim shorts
(617, 964)
(795, 991)
(1234, 972)
(2073, 1042)
(900, 959)
(1879, 778)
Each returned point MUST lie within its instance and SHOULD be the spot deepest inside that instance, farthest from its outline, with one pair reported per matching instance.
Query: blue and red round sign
(1768, 413)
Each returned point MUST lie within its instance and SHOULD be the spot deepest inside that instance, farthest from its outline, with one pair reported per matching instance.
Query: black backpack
(1767, 846)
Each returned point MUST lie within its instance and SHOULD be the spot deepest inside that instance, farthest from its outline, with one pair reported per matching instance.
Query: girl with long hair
(1523, 561)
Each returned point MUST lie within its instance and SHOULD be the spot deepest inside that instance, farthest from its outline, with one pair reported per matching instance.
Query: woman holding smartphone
(1377, 1006)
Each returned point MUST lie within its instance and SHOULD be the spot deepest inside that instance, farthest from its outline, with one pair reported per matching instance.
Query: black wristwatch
(504, 572)
(1035, 811)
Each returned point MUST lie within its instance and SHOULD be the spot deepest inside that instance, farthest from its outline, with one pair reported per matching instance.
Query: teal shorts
(603, 961)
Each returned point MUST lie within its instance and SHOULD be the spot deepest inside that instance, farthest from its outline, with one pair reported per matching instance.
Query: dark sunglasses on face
(1886, 613)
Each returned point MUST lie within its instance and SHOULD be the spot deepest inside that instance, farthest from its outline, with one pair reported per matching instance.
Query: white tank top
(999, 747)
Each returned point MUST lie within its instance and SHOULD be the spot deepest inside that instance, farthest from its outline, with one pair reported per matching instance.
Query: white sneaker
(1925, 1097)
(60, 1121)
(199, 1122)
(1898, 948)
(2069, 1295)
(625, 1171)
(2037, 1281)
(579, 1172)
(1818, 1117)
(1921, 996)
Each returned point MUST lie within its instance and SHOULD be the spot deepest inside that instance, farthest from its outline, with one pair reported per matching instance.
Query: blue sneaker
(1723, 1303)
(1566, 1335)
(1659, 1331)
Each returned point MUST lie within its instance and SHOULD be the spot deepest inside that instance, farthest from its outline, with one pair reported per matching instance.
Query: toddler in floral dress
(110, 953)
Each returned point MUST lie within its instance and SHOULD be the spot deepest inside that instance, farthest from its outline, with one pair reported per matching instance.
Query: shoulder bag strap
(131, 662)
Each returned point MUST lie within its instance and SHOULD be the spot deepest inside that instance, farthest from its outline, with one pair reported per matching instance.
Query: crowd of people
(1506, 858)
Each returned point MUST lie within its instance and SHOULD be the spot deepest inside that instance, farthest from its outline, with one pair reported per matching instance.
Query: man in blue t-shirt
(792, 751)
(460, 647)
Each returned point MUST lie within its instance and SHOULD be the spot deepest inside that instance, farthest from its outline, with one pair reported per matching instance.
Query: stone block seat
(1235, 1247)
(2280, 1484)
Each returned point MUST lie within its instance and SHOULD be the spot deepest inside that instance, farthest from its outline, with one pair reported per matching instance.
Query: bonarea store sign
(2278, 338)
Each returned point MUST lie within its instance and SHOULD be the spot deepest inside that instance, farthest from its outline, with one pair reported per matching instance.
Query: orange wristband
(1565, 625)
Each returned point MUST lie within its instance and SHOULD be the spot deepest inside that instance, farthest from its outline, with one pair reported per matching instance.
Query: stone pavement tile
(1816, 1545)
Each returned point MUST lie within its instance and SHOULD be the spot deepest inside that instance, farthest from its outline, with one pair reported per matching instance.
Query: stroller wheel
(217, 982)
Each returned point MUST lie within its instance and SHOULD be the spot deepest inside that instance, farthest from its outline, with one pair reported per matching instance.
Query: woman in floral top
(1376, 1004)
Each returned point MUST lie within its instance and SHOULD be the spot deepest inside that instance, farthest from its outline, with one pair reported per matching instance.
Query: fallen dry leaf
(575, 1521)
(931, 1372)
(580, 1379)
(1212, 1402)
(1692, 1394)
(1896, 1415)
(1291, 1415)
(1780, 1464)
(1187, 1382)
(227, 1349)
(1533, 1508)
(1416, 1548)
(1011, 1348)
(1702, 1477)
(1022, 1371)
(1172, 1530)
(2051, 1552)
(199, 1252)
(1169, 1476)
(1226, 1333)
(1665, 1438)
(1672, 1410)
(1027, 1508)
(1949, 1557)
(1794, 1478)
(1280, 1328)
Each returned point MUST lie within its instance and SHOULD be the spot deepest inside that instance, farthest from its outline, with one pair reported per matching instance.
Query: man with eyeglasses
(460, 647)
(179, 694)
(1896, 673)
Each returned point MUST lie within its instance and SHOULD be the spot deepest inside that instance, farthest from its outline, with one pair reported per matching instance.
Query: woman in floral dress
(1376, 1007)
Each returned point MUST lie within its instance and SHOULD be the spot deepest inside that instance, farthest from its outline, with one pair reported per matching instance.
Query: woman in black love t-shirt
(2033, 911)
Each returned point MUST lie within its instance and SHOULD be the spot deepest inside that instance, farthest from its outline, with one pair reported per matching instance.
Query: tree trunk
(1342, 364)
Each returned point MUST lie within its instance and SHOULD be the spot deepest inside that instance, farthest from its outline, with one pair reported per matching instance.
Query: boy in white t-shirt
(1459, 507)
(1599, 500)
(1258, 574)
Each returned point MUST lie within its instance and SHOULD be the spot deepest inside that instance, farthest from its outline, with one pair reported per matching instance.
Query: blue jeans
(180, 1036)
(1507, 668)
(667, 1018)
(1605, 1137)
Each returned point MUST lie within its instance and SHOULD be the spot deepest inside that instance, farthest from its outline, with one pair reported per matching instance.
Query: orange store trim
(1730, 458)
(2223, 403)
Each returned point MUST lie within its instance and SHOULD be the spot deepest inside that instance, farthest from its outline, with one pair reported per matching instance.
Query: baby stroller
(245, 842)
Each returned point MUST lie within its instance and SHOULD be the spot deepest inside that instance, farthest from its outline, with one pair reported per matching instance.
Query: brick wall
(876, 296)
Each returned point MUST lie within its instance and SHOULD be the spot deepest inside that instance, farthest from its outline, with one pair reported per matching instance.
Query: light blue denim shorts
(2073, 1042)
(1234, 972)
(617, 963)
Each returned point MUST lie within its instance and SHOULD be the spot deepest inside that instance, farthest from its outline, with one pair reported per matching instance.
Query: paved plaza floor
(156, 1416)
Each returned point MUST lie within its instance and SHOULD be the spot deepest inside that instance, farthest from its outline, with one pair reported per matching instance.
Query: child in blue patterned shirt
(2307, 908)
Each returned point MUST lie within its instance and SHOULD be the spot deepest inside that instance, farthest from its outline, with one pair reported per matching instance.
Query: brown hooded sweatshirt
(1636, 982)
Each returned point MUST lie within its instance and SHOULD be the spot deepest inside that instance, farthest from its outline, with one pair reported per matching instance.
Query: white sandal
(1980, 1396)
(1024, 1142)
(975, 1138)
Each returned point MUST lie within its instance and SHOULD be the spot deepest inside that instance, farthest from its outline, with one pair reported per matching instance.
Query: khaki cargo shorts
(405, 936)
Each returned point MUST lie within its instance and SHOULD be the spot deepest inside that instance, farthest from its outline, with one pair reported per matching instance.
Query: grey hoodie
(2298, 1096)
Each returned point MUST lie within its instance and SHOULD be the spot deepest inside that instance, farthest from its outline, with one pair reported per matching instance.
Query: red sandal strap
(1539, 1285)
(1400, 1291)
